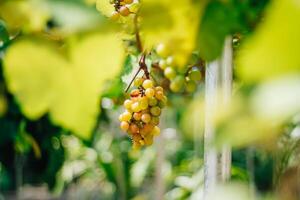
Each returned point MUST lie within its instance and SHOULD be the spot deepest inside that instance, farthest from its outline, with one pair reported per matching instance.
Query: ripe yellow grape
(159, 95)
(124, 126)
(147, 84)
(124, 11)
(127, 104)
(170, 61)
(135, 107)
(138, 82)
(115, 16)
(135, 93)
(137, 116)
(126, 116)
(159, 88)
(155, 131)
(162, 50)
(133, 128)
(155, 111)
(149, 92)
(146, 118)
(128, 1)
(170, 73)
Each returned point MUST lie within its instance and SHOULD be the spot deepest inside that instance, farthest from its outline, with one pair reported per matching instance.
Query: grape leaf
(174, 24)
(68, 87)
(273, 50)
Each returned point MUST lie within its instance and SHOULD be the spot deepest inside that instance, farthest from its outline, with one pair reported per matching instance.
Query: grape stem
(142, 66)
(137, 34)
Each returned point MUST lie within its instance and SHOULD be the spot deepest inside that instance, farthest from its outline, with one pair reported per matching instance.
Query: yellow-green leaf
(274, 49)
(105, 7)
(174, 24)
(67, 87)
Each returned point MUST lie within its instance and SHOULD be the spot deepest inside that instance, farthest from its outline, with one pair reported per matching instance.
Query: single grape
(152, 101)
(135, 107)
(159, 88)
(162, 50)
(147, 128)
(115, 16)
(128, 1)
(170, 60)
(135, 93)
(124, 126)
(137, 116)
(162, 64)
(155, 111)
(133, 128)
(159, 95)
(177, 84)
(195, 74)
(127, 104)
(149, 92)
(148, 140)
(138, 82)
(170, 73)
(146, 118)
(147, 84)
(154, 120)
(191, 86)
(161, 104)
(124, 11)
(143, 103)
(126, 116)
(155, 131)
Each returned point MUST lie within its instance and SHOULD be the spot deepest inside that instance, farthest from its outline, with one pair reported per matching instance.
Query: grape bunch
(122, 8)
(181, 79)
(141, 117)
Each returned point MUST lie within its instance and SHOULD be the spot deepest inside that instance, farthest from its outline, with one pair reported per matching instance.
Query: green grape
(170, 73)
(143, 103)
(162, 50)
(155, 111)
(162, 64)
(170, 61)
(195, 74)
(124, 126)
(159, 88)
(177, 84)
(152, 101)
(124, 11)
(161, 104)
(191, 86)
(149, 92)
(154, 120)
(138, 82)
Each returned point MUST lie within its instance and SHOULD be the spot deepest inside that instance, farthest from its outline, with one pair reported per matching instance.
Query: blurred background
(64, 67)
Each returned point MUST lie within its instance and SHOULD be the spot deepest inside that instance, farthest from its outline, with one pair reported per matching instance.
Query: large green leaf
(68, 87)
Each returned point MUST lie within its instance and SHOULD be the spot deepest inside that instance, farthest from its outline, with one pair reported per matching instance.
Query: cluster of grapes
(142, 113)
(121, 8)
(180, 79)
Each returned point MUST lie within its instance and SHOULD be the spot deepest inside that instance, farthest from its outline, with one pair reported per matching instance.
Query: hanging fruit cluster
(141, 118)
(181, 79)
(121, 8)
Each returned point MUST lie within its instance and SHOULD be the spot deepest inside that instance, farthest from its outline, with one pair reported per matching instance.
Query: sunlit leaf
(31, 15)
(273, 50)
(174, 24)
(68, 88)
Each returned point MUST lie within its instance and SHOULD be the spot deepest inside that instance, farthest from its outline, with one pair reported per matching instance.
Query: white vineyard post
(210, 153)
(218, 77)
(226, 74)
